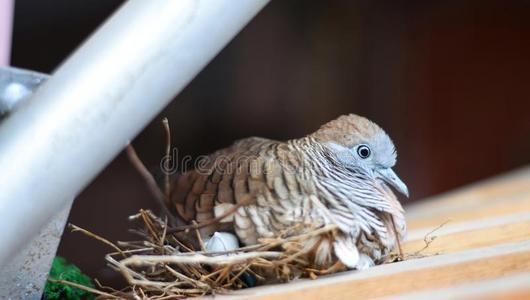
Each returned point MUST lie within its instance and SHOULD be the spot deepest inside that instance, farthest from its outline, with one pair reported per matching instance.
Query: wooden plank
(507, 287)
(522, 294)
(487, 234)
(404, 277)
(450, 227)
(521, 203)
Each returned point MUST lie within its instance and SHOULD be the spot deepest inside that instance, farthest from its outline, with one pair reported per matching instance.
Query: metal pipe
(101, 98)
(24, 276)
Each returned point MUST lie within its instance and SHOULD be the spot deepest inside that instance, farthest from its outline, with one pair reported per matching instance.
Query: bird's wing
(258, 174)
(214, 180)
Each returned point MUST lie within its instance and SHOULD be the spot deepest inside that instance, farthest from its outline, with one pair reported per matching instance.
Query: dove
(340, 175)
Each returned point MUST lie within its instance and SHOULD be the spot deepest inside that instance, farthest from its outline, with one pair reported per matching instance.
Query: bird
(341, 175)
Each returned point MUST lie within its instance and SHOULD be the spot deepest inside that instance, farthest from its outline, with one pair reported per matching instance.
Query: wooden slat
(427, 273)
(521, 203)
(507, 287)
(471, 239)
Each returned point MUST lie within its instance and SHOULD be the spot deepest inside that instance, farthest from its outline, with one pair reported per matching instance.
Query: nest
(164, 265)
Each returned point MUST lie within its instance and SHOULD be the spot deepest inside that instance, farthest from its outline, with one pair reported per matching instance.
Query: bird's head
(360, 143)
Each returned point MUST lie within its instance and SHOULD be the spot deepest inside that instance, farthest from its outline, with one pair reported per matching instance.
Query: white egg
(221, 241)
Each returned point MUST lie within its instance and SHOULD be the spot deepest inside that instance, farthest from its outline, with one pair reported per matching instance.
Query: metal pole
(99, 99)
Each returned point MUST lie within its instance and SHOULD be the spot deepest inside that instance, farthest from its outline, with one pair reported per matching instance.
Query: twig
(186, 278)
(150, 226)
(167, 183)
(142, 260)
(150, 180)
(338, 266)
(427, 239)
(243, 270)
(118, 266)
(75, 228)
(199, 238)
(82, 287)
(398, 240)
(142, 169)
(230, 211)
(164, 232)
(268, 245)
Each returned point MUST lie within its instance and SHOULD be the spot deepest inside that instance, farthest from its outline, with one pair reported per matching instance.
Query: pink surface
(6, 24)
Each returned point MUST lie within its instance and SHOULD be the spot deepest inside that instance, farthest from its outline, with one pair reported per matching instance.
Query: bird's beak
(390, 177)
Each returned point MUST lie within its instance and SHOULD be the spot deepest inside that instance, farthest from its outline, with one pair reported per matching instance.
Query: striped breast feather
(358, 186)
(358, 201)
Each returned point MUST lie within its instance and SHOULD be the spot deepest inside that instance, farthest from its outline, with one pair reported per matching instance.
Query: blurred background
(448, 80)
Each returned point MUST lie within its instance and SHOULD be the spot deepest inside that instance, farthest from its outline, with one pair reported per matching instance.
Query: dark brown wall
(448, 80)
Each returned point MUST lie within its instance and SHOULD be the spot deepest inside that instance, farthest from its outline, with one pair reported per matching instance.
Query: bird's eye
(363, 151)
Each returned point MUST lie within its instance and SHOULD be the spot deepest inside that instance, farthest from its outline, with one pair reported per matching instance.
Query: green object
(69, 272)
